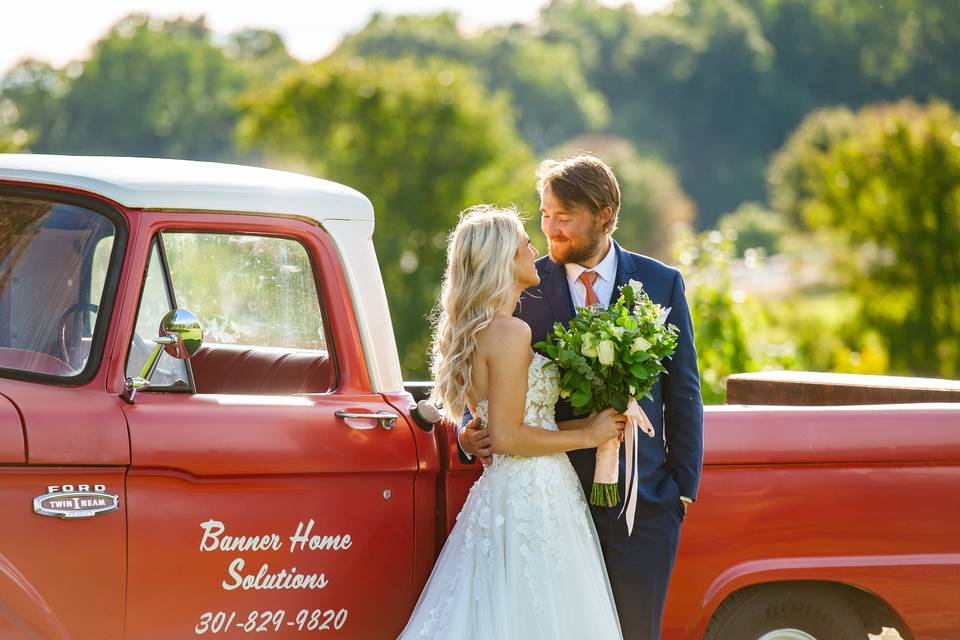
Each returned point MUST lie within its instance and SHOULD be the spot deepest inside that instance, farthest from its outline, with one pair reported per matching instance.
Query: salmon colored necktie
(588, 278)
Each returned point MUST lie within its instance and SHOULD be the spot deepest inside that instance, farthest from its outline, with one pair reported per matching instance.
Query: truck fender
(839, 570)
(24, 608)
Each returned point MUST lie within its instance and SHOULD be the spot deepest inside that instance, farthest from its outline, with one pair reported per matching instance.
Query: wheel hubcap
(786, 634)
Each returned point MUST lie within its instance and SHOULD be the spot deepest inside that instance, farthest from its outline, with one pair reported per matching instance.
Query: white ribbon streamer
(636, 418)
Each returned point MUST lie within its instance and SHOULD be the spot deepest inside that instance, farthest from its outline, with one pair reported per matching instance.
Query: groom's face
(574, 234)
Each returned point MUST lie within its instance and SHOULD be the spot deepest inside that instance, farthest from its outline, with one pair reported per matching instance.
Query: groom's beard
(569, 251)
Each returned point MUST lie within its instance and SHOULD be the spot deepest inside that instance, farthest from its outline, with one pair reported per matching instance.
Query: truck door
(253, 507)
(63, 440)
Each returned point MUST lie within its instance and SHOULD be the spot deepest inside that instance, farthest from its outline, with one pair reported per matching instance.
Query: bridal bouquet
(609, 359)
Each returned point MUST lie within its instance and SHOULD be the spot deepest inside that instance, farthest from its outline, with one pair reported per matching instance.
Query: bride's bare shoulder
(506, 328)
(504, 332)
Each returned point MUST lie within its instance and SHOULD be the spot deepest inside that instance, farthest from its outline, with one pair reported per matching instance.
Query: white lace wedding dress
(523, 561)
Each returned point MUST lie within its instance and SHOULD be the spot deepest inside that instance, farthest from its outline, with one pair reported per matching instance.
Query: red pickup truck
(272, 475)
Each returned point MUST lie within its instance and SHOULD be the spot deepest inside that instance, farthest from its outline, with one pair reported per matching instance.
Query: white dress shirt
(606, 271)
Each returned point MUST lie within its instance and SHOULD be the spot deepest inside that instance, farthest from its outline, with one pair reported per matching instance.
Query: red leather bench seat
(241, 369)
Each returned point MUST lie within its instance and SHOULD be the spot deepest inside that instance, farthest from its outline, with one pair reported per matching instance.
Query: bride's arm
(573, 423)
(507, 362)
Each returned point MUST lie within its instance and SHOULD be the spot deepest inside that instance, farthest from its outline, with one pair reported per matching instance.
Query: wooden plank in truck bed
(806, 388)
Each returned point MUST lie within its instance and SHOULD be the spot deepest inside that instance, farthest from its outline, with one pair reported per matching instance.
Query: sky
(60, 31)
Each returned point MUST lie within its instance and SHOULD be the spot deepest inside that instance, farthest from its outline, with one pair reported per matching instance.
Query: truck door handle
(387, 420)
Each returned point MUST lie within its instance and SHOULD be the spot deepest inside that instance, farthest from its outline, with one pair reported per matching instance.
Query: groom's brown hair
(585, 180)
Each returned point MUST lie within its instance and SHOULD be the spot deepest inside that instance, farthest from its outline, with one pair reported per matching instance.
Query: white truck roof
(186, 185)
(155, 183)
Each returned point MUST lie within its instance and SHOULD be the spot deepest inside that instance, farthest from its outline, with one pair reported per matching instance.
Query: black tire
(755, 612)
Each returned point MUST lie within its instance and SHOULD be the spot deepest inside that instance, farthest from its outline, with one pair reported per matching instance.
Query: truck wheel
(785, 613)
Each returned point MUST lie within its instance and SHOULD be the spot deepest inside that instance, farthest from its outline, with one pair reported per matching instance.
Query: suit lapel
(557, 292)
(625, 272)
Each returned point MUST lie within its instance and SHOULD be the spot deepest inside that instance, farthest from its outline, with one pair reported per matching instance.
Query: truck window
(257, 299)
(55, 259)
(155, 301)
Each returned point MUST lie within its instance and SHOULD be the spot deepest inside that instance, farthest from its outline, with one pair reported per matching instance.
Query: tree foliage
(712, 87)
(715, 86)
(8, 142)
(411, 136)
(721, 325)
(158, 88)
(888, 186)
(544, 81)
(151, 87)
(755, 227)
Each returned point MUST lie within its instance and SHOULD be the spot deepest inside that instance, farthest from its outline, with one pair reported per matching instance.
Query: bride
(523, 560)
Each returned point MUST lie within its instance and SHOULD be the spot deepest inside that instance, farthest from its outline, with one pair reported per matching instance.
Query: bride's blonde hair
(479, 280)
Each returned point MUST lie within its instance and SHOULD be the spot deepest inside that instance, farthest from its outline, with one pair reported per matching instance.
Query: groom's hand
(475, 441)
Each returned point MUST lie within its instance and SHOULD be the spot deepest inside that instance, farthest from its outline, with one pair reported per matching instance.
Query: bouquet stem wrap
(607, 472)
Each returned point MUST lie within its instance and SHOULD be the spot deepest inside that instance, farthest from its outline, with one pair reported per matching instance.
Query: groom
(579, 206)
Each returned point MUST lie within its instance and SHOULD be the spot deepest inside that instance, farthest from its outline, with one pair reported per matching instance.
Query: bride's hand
(604, 426)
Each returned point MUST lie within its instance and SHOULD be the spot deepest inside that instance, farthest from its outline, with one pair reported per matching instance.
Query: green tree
(10, 142)
(413, 36)
(787, 178)
(715, 86)
(12, 139)
(31, 99)
(151, 87)
(544, 81)
(721, 325)
(597, 33)
(413, 138)
(888, 190)
(550, 94)
(683, 86)
(755, 227)
(857, 51)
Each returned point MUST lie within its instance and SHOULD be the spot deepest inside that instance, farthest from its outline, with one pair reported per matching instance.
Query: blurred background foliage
(798, 159)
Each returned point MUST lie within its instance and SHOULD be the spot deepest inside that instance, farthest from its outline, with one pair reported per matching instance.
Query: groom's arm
(683, 404)
(465, 457)
(473, 439)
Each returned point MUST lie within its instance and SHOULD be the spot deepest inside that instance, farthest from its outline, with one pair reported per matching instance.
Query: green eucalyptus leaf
(580, 398)
(639, 371)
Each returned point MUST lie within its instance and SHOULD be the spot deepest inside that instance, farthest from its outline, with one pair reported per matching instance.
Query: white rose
(640, 344)
(589, 348)
(605, 350)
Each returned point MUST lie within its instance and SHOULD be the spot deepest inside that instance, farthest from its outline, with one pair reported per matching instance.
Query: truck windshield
(54, 259)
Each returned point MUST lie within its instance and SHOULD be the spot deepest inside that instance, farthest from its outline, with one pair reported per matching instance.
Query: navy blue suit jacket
(669, 463)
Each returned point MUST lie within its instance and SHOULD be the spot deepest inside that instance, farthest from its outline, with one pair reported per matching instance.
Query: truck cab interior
(49, 308)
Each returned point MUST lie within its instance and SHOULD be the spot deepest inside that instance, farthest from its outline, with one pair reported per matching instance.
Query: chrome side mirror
(180, 336)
